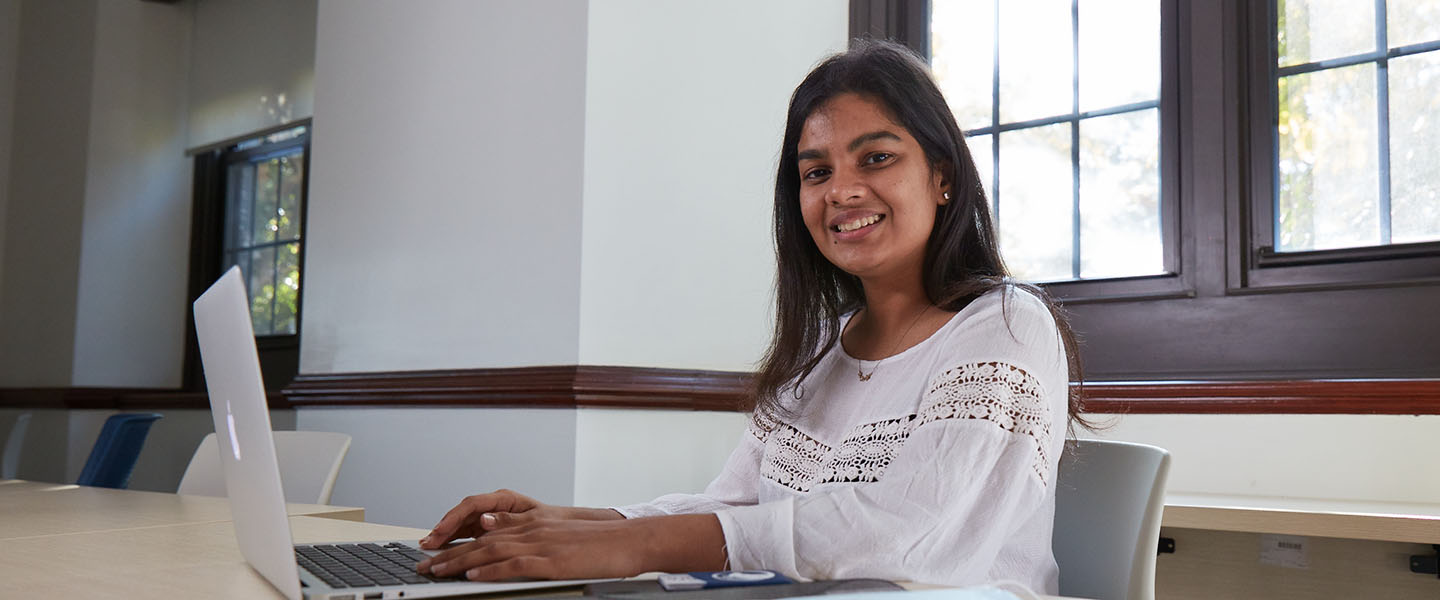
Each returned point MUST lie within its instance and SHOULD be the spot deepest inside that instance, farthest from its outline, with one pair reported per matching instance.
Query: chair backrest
(1108, 504)
(116, 450)
(10, 461)
(309, 464)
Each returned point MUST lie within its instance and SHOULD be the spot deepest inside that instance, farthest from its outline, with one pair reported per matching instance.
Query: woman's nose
(844, 187)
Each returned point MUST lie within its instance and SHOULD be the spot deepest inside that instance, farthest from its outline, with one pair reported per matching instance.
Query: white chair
(1108, 505)
(10, 462)
(309, 463)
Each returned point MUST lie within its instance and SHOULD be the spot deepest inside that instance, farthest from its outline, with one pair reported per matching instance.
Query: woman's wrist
(682, 543)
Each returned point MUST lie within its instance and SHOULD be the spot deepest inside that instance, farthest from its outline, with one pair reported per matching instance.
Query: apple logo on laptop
(230, 422)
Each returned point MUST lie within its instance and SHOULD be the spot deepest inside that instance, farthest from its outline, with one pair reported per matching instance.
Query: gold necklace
(859, 372)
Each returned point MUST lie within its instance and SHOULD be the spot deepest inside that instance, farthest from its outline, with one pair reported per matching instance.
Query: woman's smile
(850, 226)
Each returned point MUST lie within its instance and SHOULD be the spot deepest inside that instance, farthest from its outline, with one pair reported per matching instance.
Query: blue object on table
(116, 450)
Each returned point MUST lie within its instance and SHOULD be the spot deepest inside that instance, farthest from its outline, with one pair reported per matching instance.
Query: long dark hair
(962, 256)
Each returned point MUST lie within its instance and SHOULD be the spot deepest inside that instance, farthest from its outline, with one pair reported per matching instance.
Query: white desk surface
(30, 509)
(1360, 520)
(190, 560)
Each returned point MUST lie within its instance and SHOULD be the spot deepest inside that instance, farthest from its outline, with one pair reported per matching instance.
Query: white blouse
(938, 469)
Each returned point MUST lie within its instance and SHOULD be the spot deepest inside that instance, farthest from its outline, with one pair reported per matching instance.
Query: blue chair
(116, 450)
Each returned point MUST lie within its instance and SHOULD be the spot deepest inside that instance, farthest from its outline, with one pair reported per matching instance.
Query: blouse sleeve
(737, 484)
(977, 462)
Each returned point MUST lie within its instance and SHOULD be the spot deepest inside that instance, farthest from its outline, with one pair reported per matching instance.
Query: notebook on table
(358, 570)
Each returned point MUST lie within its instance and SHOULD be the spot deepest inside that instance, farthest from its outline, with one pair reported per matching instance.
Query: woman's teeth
(858, 223)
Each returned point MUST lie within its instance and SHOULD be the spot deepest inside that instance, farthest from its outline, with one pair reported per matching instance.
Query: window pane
(266, 189)
(1414, 136)
(1036, 63)
(982, 150)
(962, 44)
(292, 176)
(262, 290)
(1037, 202)
(1328, 168)
(287, 292)
(1412, 21)
(1120, 195)
(239, 204)
(1119, 52)
(1316, 30)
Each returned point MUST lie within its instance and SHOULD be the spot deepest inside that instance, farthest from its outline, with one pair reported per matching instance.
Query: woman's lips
(852, 228)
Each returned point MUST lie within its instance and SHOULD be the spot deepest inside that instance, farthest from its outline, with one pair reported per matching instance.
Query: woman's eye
(816, 174)
(878, 157)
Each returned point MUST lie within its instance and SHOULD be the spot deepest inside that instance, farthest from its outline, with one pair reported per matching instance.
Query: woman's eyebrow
(870, 137)
(856, 143)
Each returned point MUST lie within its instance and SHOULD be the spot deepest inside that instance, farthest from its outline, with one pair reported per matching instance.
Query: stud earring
(946, 196)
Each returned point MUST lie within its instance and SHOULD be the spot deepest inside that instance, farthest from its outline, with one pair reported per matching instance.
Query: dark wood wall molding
(560, 386)
(1346, 396)
(572, 386)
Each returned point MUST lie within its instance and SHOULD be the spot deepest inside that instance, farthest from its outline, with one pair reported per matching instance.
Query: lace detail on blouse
(993, 391)
(997, 392)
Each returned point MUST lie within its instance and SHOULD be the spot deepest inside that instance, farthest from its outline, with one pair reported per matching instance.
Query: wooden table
(1348, 519)
(189, 560)
(30, 509)
(1344, 549)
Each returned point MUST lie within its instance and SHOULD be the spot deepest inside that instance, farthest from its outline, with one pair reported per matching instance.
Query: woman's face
(867, 194)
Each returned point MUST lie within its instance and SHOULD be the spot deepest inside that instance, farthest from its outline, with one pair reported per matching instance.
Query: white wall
(1351, 457)
(629, 456)
(45, 207)
(254, 67)
(131, 297)
(685, 109)
(445, 192)
(9, 53)
(410, 466)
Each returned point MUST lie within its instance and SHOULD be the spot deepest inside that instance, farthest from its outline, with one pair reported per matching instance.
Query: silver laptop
(359, 570)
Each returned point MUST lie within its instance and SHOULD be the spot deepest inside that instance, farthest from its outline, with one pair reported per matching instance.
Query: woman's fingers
(467, 518)
(535, 567)
(476, 554)
(504, 520)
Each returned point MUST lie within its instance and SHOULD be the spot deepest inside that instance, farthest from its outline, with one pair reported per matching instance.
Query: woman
(912, 407)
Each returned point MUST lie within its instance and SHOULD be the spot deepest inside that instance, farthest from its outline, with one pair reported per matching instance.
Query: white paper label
(1290, 551)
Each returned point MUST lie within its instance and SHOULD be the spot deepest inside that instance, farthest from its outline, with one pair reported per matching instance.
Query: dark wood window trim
(572, 386)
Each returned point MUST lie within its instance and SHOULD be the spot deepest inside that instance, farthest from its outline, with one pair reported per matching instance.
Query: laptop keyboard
(363, 565)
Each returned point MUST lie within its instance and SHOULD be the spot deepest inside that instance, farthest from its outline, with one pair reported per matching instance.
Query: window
(249, 211)
(1344, 191)
(264, 189)
(1253, 282)
(1356, 105)
(1061, 104)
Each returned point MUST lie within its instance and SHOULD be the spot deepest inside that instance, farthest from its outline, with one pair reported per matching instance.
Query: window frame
(1228, 316)
(1261, 267)
(279, 353)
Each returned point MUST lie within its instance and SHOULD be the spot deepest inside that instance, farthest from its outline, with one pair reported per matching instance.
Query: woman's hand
(500, 509)
(548, 548)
